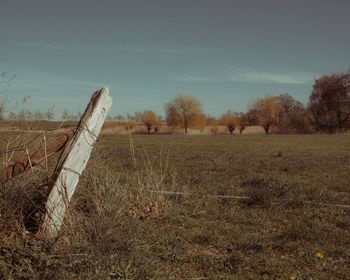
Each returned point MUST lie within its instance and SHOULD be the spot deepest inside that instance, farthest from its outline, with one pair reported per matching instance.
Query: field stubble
(122, 225)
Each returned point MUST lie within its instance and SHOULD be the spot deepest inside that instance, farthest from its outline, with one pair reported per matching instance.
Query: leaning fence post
(73, 161)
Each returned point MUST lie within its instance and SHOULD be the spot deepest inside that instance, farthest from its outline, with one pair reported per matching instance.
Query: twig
(245, 197)
(45, 151)
(30, 163)
(327, 204)
(214, 196)
(132, 149)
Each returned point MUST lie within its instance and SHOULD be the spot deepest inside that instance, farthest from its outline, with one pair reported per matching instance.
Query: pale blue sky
(226, 53)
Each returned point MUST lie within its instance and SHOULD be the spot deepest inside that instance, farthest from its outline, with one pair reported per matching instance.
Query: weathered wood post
(73, 161)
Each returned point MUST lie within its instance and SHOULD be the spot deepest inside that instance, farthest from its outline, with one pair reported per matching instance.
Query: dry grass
(110, 125)
(118, 227)
(113, 128)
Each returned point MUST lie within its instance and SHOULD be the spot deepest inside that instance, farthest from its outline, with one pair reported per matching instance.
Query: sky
(226, 53)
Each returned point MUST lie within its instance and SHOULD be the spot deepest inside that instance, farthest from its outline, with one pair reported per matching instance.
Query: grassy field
(241, 207)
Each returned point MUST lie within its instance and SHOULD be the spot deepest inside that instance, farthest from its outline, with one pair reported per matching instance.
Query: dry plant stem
(246, 197)
(199, 195)
(6, 162)
(19, 147)
(12, 153)
(45, 149)
(156, 180)
(29, 161)
(150, 173)
(163, 173)
(132, 149)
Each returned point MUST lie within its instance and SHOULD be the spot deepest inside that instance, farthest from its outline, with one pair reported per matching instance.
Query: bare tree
(138, 117)
(25, 115)
(38, 115)
(12, 116)
(329, 103)
(267, 110)
(201, 122)
(65, 114)
(242, 121)
(79, 114)
(149, 119)
(213, 124)
(183, 111)
(129, 125)
(130, 117)
(253, 116)
(293, 114)
(109, 119)
(160, 118)
(49, 113)
(157, 127)
(119, 118)
(5, 83)
(229, 120)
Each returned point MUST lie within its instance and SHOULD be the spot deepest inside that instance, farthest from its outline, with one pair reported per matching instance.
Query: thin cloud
(33, 80)
(270, 77)
(183, 50)
(193, 79)
(134, 49)
(37, 45)
(249, 76)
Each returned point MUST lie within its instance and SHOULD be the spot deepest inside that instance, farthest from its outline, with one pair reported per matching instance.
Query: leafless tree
(184, 111)
(149, 119)
(329, 103)
(267, 110)
(229, 120)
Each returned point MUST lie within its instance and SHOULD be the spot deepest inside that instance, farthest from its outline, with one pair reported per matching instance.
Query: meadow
(190, 207)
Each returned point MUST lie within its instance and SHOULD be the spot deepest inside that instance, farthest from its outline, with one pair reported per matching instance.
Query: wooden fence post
(73, 161)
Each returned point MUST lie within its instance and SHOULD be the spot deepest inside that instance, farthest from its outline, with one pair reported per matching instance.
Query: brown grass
(116, 129)
(118, 227)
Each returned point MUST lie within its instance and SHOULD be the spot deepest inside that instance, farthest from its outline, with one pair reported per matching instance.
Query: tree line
(327, 111)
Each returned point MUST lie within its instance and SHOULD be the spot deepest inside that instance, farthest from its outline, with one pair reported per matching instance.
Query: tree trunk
(266, 127)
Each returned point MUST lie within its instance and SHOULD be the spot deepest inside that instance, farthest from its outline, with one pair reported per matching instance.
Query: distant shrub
(129, 125)
(213, 125)
(230, 121)
(149, 119)
(110, 125)
(157, 127)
